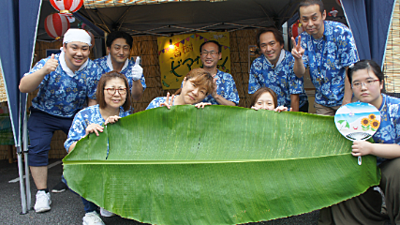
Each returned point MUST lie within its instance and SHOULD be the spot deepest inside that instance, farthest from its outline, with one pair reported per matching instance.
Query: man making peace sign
(327, 48)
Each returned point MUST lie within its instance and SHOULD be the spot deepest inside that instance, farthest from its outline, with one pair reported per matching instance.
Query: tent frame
(21, 25)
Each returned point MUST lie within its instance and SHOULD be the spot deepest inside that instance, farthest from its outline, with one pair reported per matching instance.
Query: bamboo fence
(146, 48)
(392, 58)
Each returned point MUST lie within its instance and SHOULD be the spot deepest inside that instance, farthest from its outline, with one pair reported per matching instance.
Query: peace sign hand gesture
(168, 102)
(297, 50)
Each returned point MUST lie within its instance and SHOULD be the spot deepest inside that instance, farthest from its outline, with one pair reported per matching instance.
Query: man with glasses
(327, 48)
(274, 69)
(225, 92)
(119, 45)
(65, 82)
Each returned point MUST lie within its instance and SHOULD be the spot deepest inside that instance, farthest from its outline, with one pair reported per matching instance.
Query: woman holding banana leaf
(197, 84)
(265, 98)
(114, 100)
(366, 80)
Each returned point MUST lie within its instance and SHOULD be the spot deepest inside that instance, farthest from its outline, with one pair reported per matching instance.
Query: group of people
(79, 96)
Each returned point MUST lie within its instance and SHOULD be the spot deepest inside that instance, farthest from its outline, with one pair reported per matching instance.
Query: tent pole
(28, 183)
(27, 176)
(21, 181)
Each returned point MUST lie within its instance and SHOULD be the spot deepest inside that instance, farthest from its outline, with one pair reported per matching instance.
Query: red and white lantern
(66, 6)
(56, 25)
(297, 29)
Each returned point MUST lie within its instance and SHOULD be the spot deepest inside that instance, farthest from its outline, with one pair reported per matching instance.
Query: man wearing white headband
(65, 82)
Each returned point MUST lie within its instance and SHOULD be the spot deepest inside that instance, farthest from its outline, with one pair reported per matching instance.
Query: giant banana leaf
(217, 165)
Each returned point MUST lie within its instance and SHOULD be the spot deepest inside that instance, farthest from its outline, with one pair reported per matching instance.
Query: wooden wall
(146, 48)
(57, 144)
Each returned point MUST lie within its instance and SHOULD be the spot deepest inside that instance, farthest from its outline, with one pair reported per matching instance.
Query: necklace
(319, 47)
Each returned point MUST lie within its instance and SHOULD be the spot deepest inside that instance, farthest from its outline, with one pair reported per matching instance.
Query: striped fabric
(56, 25)
(66, 6)
(93, 4)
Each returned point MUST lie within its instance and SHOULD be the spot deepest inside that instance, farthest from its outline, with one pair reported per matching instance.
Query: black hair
(259, 92)
(311, 2)
(119, 34)
(366, 64)
(212, 41)
(102, 83)
(277, 34)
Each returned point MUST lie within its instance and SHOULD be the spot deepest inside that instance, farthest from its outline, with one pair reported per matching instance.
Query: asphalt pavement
(67, 207)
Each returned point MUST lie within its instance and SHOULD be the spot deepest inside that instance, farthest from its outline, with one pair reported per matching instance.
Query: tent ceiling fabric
(187, 17)
(93, 4)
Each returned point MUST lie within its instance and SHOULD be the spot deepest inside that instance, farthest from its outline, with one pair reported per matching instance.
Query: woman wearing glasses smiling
(366, 80)
(114, 100)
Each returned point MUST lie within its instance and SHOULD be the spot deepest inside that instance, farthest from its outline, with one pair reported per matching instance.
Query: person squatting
(78, 96)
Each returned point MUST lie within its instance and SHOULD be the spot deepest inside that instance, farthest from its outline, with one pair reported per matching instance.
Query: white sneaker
(92, 218)
(43, 202)
(106, 213)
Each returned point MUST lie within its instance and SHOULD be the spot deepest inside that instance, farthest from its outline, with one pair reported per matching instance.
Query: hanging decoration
(66, 6)
(297, 29)
(70, 18)
(333, 12)
(56, 25)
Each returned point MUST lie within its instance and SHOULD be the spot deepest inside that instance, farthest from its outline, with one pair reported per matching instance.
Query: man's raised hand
(297, 50)
(50, 65)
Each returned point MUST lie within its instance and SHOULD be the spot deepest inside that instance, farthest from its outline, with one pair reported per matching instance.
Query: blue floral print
(83, 119)
(327, 59)
(281, 79)
(62, 95)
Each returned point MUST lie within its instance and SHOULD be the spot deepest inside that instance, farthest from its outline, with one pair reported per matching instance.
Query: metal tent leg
(28, 183)
(25, 146)
(21, 181)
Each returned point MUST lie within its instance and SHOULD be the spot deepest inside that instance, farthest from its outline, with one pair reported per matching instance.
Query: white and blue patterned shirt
(155, 103)
(83, 119)
(281, 79)
(226, 87)
(389, 129)
(63, 95)
(327, 59)
(126, 70)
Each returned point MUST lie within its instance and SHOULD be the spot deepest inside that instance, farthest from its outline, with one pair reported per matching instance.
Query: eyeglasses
(212, 53)
(112, 91)
(367, 83)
